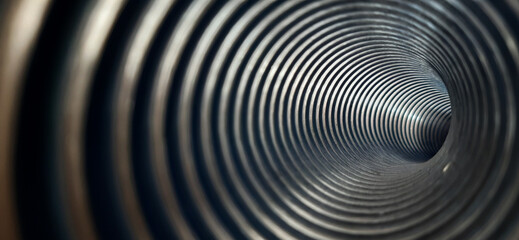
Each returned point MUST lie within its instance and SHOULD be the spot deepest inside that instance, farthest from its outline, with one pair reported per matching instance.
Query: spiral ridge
(277, 120)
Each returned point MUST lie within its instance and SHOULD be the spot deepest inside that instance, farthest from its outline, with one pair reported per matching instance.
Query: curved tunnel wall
(290, 120)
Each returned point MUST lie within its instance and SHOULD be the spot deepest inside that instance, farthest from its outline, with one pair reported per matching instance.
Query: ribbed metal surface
(289, 120)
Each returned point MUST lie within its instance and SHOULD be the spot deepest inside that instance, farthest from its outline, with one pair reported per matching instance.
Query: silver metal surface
(268, 120)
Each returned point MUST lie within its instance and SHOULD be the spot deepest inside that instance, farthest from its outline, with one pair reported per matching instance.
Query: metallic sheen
(259, 120)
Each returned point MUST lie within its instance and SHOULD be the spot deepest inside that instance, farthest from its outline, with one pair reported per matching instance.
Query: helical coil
(248, 120)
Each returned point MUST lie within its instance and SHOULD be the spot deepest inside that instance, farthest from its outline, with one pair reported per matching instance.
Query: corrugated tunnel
(259, 120)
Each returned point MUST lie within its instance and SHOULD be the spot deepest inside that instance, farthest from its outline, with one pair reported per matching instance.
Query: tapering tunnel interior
(259, 120)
